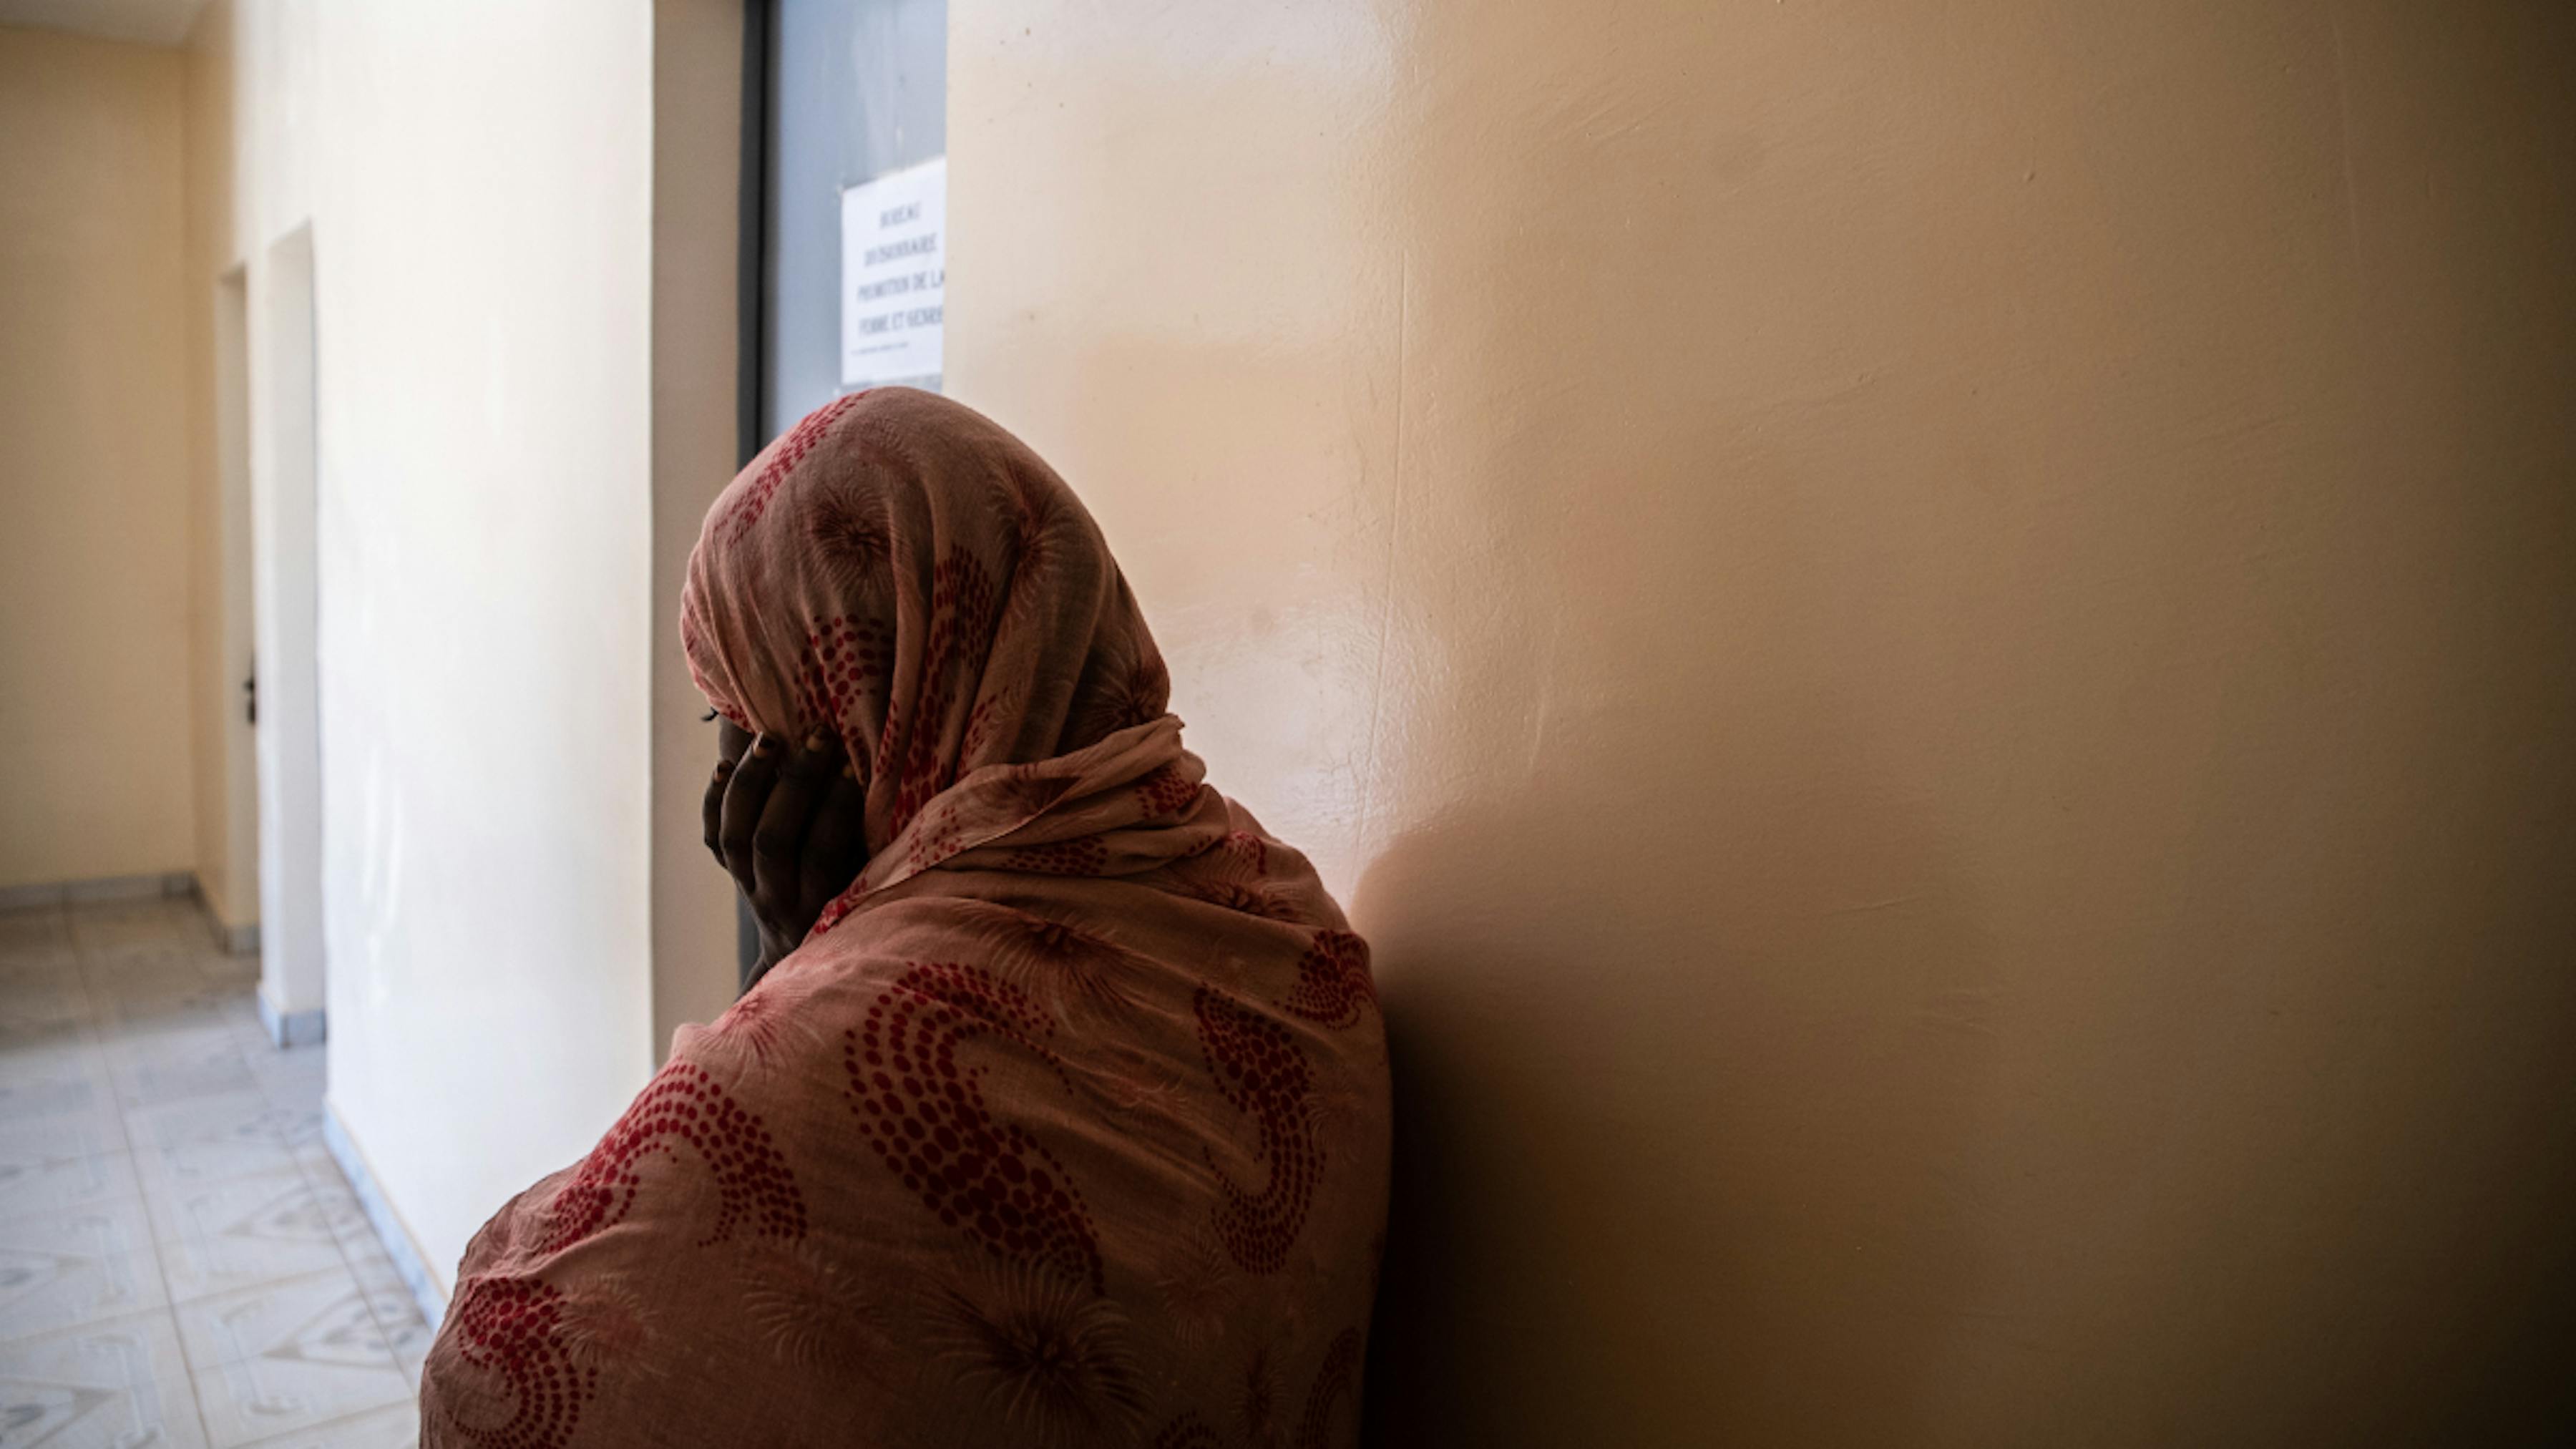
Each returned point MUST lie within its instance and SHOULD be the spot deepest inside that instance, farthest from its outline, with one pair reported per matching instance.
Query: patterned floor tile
(245, 1231)
(60, 1270)
(144, 977)
(287, 1356)
(371, 1265)
(34, 938)
(27, 1142)
(208, 1139)
(320, 1317)
(129, 931)
(224, 1012)
(157, 1149)
(68, 1079)
(397, 1427)
(389, 1299)
(291, 1076)
(104, 1385)
(318, 1163)
(406, 1333)
(185, 1068)
(40, 1033)
(136, 1033)
(43, 996)
(63, 1185)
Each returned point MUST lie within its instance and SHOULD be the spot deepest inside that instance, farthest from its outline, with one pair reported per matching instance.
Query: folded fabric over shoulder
(1067, 1125)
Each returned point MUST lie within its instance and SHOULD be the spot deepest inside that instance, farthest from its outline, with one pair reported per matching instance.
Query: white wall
(478, 181)
(285, 504)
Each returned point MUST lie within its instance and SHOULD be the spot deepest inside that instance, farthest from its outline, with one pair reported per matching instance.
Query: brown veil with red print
(900, 571)
(1068, 1123)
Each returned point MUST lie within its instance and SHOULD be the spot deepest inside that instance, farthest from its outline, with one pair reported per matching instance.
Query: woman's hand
(789, 826)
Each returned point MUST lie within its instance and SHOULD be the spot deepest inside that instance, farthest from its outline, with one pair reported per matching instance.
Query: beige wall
(216, 297)
(697, 137)
(94, 658)
(1933, 642)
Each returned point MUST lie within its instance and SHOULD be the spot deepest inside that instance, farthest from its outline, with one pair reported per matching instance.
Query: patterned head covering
(900, 571)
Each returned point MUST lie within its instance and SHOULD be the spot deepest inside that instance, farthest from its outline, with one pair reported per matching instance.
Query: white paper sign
(894, 274)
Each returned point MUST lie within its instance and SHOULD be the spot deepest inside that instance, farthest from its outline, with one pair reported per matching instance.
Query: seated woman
(1058, 1115)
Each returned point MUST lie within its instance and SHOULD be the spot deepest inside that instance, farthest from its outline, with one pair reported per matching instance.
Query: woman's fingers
(836, 844)
(746, 796)
(712, 808)
(778, 841)
(788, 825)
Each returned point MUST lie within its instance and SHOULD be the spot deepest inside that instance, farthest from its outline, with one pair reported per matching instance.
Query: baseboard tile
(101, 888)
(231, 940)
(408, 1260)
(292, 1028)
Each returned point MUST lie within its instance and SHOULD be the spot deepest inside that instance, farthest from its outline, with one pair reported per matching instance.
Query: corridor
(179, 1254)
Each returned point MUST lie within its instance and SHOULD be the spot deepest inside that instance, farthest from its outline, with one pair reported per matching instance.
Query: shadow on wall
(1688, 1001)
(1689, 1005)
(1662, 1103)
(1947, 898)
(1941, 691)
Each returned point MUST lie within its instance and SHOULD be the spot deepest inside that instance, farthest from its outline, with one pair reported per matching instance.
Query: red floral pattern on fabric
(1260, 1073)
(979, 725)
(1242, 899)
(1245, 850)
(763, 1025)
(1256, 1402)
(682, 1104)
(1054, 962)
(1187, 1432)
(1025, 797)
(850, 536)
(1125, 694)
(836, 912)
(1338, 1376)
(1165, 792)
(939, 837)
(509, 1328)
(1083, 856)
(693, 646)
(1336, 1380)
(1332, 981)
(791, 450)
(844, 657)
(1235, 873)
(925, 1115)
(1040, 532)
(1034, 1359)
(961, 635)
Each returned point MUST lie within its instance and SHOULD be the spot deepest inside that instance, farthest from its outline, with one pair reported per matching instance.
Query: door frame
(286, 613)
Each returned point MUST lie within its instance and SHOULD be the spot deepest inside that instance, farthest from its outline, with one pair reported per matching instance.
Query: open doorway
(227, 773)
(288, 741)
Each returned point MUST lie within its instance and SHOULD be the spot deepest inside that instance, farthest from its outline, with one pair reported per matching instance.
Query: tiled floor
(181, 1263)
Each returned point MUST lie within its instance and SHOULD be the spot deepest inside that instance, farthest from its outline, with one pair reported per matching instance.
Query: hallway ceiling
(144, 22)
